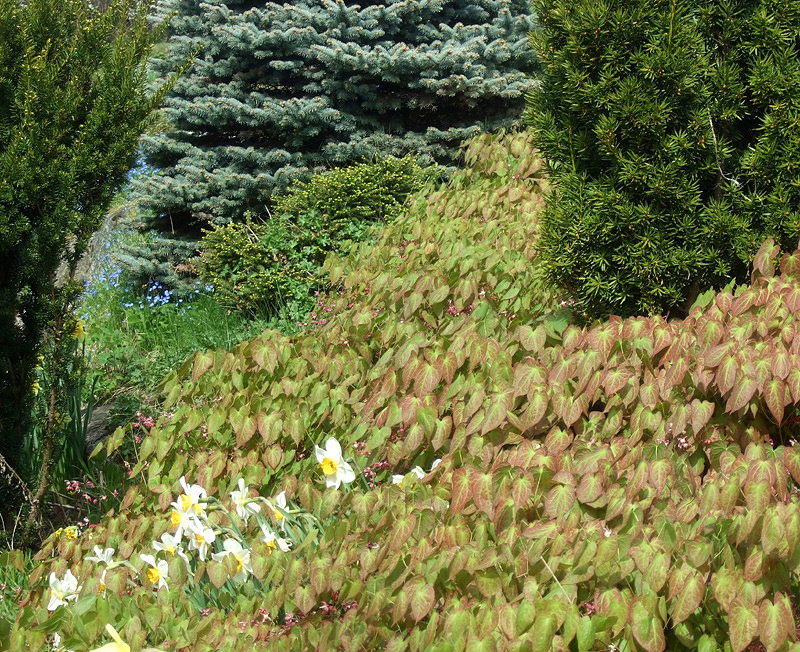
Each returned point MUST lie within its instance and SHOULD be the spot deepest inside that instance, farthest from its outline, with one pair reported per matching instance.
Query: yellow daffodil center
(238, 565)
(101, 588)
(176, 519)
(271, 545)
(198, 508)
(328, 466)
(153, 575)
(199, 539)
(278, 515)
(186, 502)
(169, 549)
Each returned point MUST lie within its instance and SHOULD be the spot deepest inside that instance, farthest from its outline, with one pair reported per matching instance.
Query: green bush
(670, 128)
(267, 265)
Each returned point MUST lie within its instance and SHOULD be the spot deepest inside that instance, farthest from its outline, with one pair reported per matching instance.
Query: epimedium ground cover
(627, 485)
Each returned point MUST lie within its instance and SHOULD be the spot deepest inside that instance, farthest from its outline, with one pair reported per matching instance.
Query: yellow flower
(71, 532)
(79, 333)
(35, 387)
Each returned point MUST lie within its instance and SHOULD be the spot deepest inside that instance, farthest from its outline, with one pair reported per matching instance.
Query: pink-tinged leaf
(763, 262)
(521, 489)
(421, 597)
(426, 380)
(657, 572)
(741, 394)
(781, 363)
(775, 397)
(726, 373)
(775, 622)
(715, 356)
(725, 584)
(793, 382)
(772, 531)
(557, 441)
(495, 415)
(792, 298)
(677, 580)
(203, 361)
(758, 496)
(743, 302)
(649, 394)
(559, 501)
(536, 409)
(702, 411)
(646, 627)
(462, 491)
(689, 599)
(542, 632)
(616, 379)
(662, 338)
(481, 489)
(791, 460)
(754, 565)
(660, 472)
(676, 372)
(532, 339)
(790, 265)
(710, 333)
(589, 489)
(742, 624)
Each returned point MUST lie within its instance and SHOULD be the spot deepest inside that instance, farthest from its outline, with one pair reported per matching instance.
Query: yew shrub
(632, 484)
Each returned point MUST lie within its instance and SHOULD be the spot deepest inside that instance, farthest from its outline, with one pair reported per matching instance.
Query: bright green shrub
(671, 131)
(269, 264)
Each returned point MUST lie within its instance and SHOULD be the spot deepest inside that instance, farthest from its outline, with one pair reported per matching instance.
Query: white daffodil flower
(118, 645)
(100, 555)
(241, 500)
(398, 479)
(200, 538)
(158, 572)
(62, 591)
(172, 546)
(330, 460)
(280, 501)
(273, 541)
(436, 463)
(191, 498)
(181, 519)
(242, 555)
(57, 647)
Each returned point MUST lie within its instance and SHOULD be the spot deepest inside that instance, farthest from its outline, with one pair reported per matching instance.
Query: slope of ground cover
(631, 484)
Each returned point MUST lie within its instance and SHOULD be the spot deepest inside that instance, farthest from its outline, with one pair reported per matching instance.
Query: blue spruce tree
(279, 91)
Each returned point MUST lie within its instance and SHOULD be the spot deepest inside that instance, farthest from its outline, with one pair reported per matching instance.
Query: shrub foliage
(631, 484)
(268, 264)
(670, 129)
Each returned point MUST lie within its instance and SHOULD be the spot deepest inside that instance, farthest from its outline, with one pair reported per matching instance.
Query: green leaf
(305, 597)
(217, 573)
(585, 634)
(742, 623)
(741, 394)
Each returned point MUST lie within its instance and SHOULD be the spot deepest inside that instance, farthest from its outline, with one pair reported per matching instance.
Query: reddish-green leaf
(689, 598)
(646, 627)
(775, 397)
(421, 598)
(742, 623)
(559, 500)
(741, 394)
(589, 489)
(462, 491)
(775, 622)
(726, 373)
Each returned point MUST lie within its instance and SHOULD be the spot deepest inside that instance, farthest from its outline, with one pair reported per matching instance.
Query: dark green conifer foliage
(73, 103)
(283, 90)
(671, 131)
